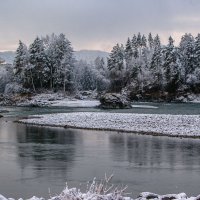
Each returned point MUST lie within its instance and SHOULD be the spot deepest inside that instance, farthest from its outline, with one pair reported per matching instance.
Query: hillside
(8, 56)
(87, 55)
(90, 55)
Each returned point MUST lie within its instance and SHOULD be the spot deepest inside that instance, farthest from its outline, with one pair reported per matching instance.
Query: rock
(4, 111)
(1, 116)
(168, 198)
(148, 195)
(114, 100)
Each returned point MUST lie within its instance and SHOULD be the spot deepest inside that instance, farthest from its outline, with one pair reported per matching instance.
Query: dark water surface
(34, 159)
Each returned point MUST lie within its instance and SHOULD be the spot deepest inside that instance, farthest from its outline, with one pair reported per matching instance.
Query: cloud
(95, 24)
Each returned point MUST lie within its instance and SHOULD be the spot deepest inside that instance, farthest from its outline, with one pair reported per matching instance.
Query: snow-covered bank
(95, 194)
(172, 125)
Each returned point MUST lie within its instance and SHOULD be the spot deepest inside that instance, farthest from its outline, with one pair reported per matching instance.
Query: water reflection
(46, 149)
(34, 159)
(149, 151)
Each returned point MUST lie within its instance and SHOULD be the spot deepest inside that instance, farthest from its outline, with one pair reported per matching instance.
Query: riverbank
(96, 193)
(81, 99)
(151, 124)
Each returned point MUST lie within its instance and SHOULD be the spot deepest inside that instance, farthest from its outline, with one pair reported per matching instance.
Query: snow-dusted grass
(172, 125)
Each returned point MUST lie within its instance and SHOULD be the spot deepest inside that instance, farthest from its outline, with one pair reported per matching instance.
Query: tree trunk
(32, 81)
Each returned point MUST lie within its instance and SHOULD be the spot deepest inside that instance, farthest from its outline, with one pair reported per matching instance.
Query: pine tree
(116, 68)
(128, 54)
(21, 62)
(197, 51)
(135, 47)
(150, 41)
(171, 66)
(144, 41)
(156, 63)
(186, 51)
(38, 61)
(67, 68)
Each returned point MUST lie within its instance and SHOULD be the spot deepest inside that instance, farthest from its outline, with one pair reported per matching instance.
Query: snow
(58, 100)
(73, 193)
(160, 124)
(144, 106)
(76, 103)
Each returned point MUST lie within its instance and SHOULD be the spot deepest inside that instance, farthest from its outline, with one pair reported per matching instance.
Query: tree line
(49, 63)
(143, 65)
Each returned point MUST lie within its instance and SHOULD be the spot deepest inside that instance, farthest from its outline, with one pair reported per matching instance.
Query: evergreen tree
(186, 51)
(150, 41)
(135, 46)
(128, 54)
(156, 63)
(171, 66)
(38, 61)
(197, 52)
(67, 69)
(116, 68)
(21, 62)
(144, 41)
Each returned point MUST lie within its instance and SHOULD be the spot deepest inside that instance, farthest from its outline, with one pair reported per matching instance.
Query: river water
(35, 159)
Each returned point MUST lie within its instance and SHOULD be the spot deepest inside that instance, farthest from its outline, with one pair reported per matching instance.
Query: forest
(143, 67)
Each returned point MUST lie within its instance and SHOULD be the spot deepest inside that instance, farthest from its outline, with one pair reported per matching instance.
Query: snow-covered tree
(116, 68)
(22, 65)
(186, 51)
(150, 41)
(38, 61)
(135, 46)
(171, 67)
(156, 63)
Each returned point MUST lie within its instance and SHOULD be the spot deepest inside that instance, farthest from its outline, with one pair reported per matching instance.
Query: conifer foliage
(145, 66)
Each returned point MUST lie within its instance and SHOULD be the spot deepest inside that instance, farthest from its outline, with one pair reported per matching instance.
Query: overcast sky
(95, 24)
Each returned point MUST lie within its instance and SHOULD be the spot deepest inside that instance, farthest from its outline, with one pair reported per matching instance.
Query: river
(35, 159)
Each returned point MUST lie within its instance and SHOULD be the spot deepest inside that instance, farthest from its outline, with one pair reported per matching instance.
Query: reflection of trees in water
(155, 151)
(47, 151)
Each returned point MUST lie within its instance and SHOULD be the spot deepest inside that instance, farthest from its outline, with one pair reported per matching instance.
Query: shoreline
(156, 125)
(112, 130)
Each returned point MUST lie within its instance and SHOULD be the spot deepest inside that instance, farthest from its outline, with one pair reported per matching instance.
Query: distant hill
(87, 55)
(90, 55)
(7, 56)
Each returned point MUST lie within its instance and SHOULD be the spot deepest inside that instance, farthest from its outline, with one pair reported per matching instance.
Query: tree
(116, 68)
(186, 51)
(67, 68)
(156, 63)
(21, 64)
(135, 46)
(197, 51)
(171, 66)
(38, 61)
(150, 41)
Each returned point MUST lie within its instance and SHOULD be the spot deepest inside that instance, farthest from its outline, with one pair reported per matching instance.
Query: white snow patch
(144, 106)
(174, 125)
(76, 103)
